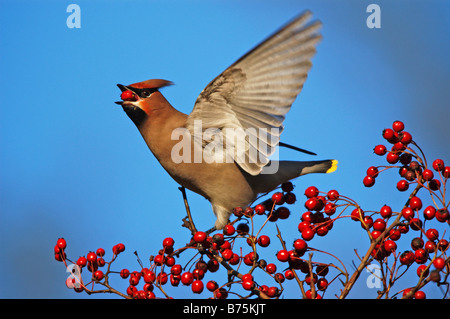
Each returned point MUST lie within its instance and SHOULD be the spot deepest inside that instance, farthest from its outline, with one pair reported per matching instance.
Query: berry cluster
(245, 248)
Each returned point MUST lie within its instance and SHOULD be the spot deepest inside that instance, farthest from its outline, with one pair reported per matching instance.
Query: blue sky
(73, 165)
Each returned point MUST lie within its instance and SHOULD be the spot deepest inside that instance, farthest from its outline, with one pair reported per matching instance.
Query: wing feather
(255, 93)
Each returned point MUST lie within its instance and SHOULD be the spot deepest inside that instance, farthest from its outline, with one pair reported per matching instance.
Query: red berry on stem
(311, 191)
(91, 257)
(380, 150)
(333, 195)
(432, 234)
(283, 255)
(200, 237)
(369, 181)
(398, 126)
(100, 252)
(405, 138)
(439, 263)
(61, 243)
(168, 242)
(278, 198)
(427, 174)
(438, 165)
(187, 278)
(415, 203)
(197, 286)
(82, 261)
(386, 211)
(308, 234)
(98, 275)
(402, 185)
(388, 134)
(264, 240)
(392, 158)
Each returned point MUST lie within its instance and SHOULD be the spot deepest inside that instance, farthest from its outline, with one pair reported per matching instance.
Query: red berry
(419, 294)
(429, 212)
(415, 224)
(420, 256)
(197, 286)
(228, 230)
(388, 134)
(446, 172)
(264, 241)
(438, 165)
(369, 181)
(271, 268)
(390, 245)
(278, 198)
(212, 285)
(322, 284)
(283, 255)
(124, 273)
(200, 237)
(379, 224)
(427, 174)
(415, 203)
(329, 209)
(300, 245)
(100, 252)
(372, 171)
(442, 215)
(312, 203)
(405, 138)
(61, 243)
(168, 242)
(98, 275)
(91, 257)
(439, 263)
(260, 209)
(407, 257)
(333, 195)
(187, 278)
(311, 191)
(117, 249)
(402, 185)
(432, 234)
(82, 261)
(357, 214)
(398, 126)
(308, 234)
(392, 158)
(289, 274)
(248, 284)
(380, 150)
(421, 270)
(386, 211)
(238, 211)
(127, 96)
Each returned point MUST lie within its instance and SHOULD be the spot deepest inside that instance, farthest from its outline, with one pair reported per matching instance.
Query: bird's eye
(145, 93)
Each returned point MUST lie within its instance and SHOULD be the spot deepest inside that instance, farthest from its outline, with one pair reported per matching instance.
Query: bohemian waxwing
(221, 150)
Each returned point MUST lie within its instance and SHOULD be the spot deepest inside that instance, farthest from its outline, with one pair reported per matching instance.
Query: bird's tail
(288, 170)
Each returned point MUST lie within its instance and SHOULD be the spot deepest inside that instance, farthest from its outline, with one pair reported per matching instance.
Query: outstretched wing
(254, 94)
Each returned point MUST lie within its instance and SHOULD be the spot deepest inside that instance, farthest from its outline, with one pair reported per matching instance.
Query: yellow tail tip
(333, 167)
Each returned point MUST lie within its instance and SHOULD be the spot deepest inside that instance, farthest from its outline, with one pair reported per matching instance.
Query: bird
(222, 150)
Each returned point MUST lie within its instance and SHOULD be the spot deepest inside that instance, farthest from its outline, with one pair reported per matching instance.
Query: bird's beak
(122, 87)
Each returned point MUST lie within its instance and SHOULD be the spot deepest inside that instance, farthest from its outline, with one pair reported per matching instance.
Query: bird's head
(140, 100)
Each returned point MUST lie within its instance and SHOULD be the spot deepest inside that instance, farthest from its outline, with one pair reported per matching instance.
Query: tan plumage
(251, 97)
